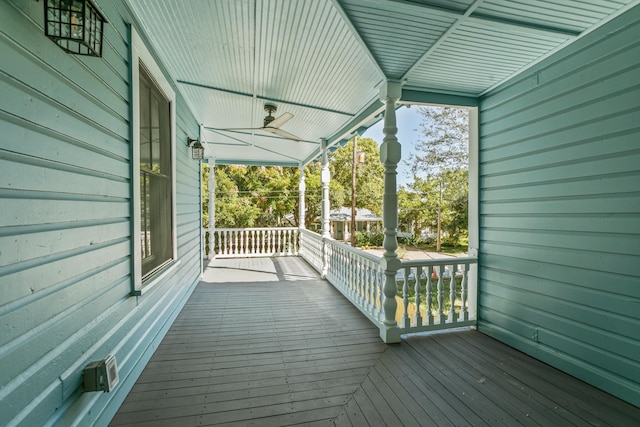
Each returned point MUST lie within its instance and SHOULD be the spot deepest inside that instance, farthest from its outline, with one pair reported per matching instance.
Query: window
(153, 176)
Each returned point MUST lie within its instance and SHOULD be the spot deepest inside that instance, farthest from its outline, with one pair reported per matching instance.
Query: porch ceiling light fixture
(76, 26)
(197, 150)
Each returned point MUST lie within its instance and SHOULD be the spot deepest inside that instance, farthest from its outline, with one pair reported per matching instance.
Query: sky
(408, 123)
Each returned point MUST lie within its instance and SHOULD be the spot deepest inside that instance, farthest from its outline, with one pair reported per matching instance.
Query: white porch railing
(358, 275)
(431, 294)
(311, 249)
(435, 294)
(255, 242)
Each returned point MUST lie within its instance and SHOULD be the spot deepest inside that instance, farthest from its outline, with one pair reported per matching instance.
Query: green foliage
(362, 239)
(369, 182)
(251, 196)
(441, 174)
(369, 239)
(444, 144)
(369, 176)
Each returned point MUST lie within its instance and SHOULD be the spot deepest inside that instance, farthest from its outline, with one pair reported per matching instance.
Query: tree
(370, 175)
(440, 164)
(251, 196)
(444, 144)
(413, 211)
(233, 208)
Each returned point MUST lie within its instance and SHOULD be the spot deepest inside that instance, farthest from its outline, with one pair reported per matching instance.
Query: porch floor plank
(265, 341)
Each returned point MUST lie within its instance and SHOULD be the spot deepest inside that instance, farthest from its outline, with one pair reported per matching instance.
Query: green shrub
(362, 239)
(376, 239)
(369, 239)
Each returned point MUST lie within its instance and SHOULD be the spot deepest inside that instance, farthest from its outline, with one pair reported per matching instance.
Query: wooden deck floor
(266, 342)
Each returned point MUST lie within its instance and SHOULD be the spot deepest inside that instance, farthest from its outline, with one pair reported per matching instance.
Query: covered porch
(97, 261)
(266, 341)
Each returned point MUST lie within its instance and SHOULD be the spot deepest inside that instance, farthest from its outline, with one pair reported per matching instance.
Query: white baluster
(440, 316)
(278, 248)
(226, 238)
(361, 292)
(452, 293)
(406, 321)
(354, 274)
(429, 297)
(464, 313)
(342, 264)
(367, 285)
(417, 292)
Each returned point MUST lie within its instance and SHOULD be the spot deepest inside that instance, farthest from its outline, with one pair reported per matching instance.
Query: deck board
(267, 342)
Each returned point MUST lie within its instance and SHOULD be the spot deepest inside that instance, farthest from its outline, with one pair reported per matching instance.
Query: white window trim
(140, 53)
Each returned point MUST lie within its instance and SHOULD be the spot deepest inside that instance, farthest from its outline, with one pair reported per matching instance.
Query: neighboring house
(100, 210)
(340, 222)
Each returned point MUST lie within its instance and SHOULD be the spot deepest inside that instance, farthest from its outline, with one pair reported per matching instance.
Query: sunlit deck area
(265, 341)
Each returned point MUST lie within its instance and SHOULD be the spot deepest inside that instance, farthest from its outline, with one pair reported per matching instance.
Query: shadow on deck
(266, 342)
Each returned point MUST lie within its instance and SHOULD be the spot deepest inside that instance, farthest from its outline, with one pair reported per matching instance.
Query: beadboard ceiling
(323, 61)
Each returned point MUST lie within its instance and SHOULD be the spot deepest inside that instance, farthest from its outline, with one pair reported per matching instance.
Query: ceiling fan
(272, 124)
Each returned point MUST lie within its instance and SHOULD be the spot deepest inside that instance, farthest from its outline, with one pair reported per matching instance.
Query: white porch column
(324, 179)
(301, 193)
(325, 176)
(212, 207)
(390, 154)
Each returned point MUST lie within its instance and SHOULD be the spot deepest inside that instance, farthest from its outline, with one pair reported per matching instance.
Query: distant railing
(255, 242)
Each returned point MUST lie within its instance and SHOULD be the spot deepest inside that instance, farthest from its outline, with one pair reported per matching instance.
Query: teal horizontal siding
(559, 270)
(65, 224)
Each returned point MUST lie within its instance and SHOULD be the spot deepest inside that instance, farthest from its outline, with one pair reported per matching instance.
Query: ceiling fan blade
(282, 133)
(279, 121)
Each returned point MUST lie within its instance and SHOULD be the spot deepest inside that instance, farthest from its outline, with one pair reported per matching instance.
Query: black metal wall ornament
(76, 26)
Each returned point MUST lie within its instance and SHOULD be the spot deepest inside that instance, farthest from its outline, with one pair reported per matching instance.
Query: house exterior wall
(66, 223)
(559, 274)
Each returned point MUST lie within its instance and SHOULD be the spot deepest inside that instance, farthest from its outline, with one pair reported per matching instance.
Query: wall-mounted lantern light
(75, 25)
(197, 150)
